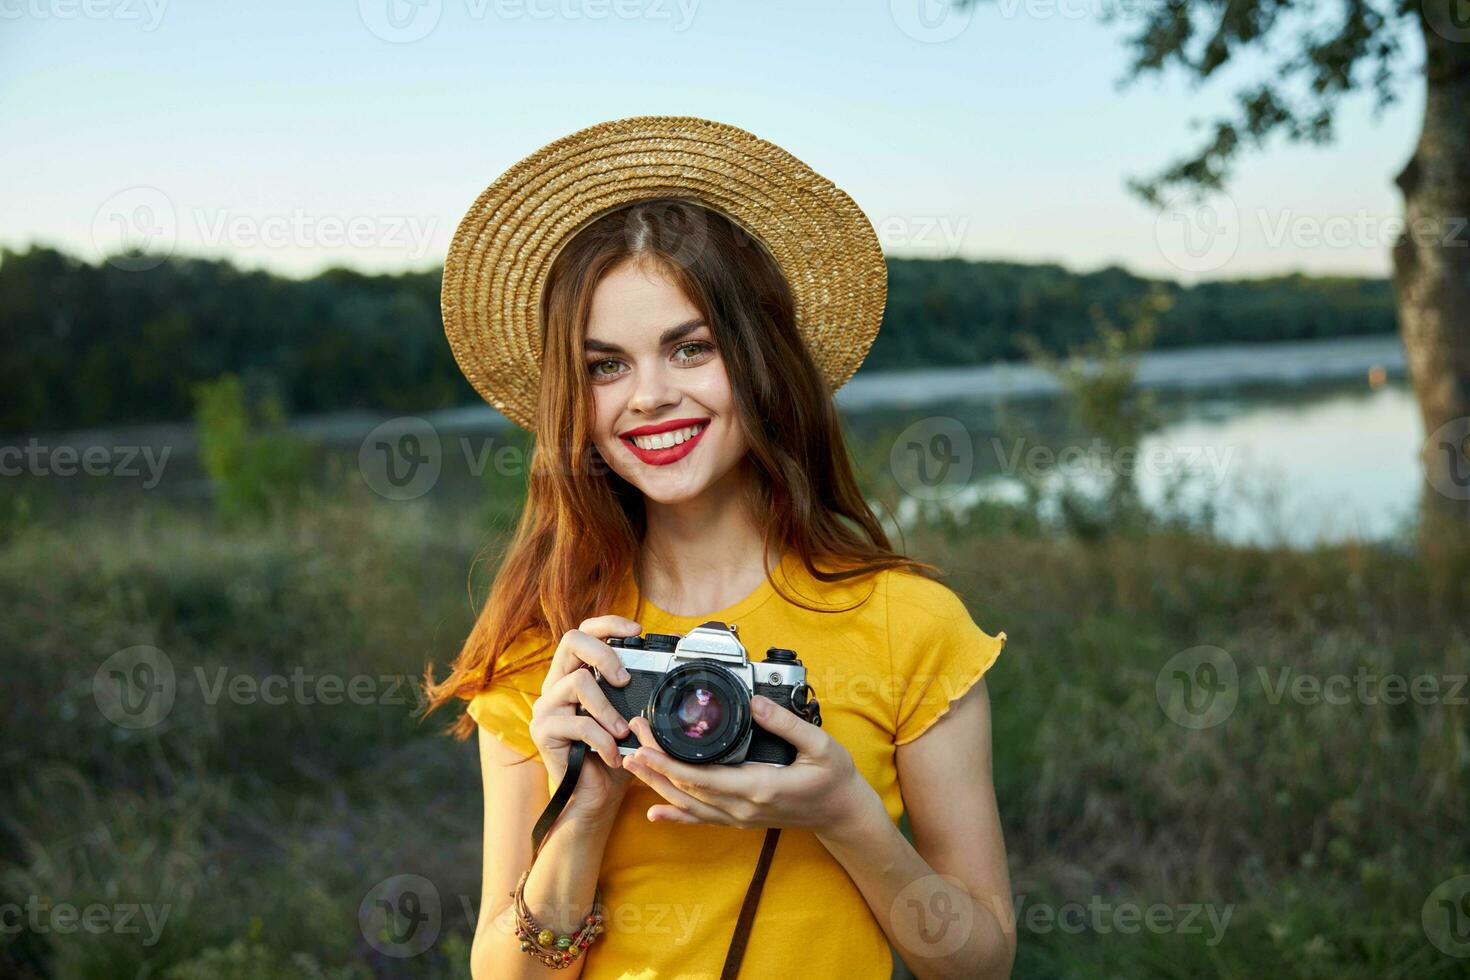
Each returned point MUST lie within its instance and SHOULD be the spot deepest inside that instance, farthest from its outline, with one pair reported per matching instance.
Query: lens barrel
(701, 712)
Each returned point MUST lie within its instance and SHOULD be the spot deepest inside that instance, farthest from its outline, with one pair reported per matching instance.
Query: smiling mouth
(667, 440)
(663, 448)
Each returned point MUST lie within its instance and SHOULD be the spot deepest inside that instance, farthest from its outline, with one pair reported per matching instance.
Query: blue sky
(295, 136)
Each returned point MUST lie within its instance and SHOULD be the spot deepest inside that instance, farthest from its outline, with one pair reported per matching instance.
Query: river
(1291, 443)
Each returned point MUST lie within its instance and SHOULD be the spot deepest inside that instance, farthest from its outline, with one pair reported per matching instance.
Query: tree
(1318, 53)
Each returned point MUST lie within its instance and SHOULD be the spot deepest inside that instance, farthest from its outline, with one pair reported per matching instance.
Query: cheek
(714, 393)
(605, 410)
(712, 390)
(734, 445)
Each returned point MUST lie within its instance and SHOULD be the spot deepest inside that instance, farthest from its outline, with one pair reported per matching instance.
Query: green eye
(698, 346)
(696, 349)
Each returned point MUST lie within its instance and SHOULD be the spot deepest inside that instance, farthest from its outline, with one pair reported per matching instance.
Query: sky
(299, 136)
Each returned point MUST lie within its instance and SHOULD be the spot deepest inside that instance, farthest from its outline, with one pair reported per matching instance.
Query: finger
(778, 720)
(565, 729)
(709, 783)
(644, 731)
(692, 807)
(603, 627)
(579, 647)
(580, 687)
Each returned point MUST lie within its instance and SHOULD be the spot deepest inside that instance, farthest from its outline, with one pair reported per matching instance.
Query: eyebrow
(667, 337)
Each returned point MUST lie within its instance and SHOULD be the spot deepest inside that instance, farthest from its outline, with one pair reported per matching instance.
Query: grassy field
(243, 834)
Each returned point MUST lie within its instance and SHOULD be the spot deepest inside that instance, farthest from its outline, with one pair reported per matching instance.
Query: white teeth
(664, 440)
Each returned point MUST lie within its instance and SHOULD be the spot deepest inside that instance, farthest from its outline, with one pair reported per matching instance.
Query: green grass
(1321, 828)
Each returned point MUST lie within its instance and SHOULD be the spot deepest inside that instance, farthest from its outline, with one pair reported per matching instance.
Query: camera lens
(700, 712)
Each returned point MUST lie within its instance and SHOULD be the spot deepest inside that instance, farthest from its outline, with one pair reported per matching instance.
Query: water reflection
(1324, 464)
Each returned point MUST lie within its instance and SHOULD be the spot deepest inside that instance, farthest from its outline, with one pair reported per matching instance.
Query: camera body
(695, 691)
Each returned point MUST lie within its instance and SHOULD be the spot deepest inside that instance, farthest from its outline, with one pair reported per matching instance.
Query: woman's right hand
(555, 724)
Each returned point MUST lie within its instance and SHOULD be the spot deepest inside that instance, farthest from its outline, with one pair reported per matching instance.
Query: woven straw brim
(503, 248)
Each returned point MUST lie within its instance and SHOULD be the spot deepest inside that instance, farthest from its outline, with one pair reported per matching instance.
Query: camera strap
(575, 754)
(558, 802)
(747, 909)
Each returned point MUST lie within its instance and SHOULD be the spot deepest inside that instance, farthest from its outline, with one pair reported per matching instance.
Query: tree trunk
(1432, 266)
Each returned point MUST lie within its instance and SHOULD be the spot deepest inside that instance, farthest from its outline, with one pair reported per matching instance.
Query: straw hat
(504, 246)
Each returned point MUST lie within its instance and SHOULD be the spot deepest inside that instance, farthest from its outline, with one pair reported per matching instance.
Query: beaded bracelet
(555, 951)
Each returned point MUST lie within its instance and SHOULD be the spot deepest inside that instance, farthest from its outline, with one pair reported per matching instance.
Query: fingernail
(759, 704)
(622, 674)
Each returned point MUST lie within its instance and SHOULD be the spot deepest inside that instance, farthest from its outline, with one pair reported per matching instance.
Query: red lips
(657, 427)
(663, 457)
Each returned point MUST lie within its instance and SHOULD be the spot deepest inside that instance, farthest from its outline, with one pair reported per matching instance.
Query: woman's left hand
(821, 789)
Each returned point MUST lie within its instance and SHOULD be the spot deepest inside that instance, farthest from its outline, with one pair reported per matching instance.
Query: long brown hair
(582, 524)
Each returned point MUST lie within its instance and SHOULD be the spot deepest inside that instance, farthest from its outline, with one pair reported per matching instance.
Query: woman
(702, 294)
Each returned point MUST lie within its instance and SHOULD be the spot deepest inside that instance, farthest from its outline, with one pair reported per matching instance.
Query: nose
(652, 392)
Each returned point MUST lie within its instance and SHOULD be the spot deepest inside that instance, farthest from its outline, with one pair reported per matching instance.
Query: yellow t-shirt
(883, 673)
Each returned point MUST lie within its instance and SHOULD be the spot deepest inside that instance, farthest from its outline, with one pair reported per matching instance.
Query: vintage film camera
(695, 691)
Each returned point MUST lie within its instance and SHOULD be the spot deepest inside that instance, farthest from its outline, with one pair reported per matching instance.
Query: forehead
(634, 304)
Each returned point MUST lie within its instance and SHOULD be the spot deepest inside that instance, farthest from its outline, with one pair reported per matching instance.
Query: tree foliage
(1315, 55)
(1318, 54)
(92, 345)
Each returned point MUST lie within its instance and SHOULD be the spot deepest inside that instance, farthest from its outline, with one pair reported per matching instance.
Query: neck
(704, 554)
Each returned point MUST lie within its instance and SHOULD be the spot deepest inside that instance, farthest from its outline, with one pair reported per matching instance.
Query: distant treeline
(88, 345)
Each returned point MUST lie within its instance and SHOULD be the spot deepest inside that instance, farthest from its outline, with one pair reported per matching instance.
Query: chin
(671, 491)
